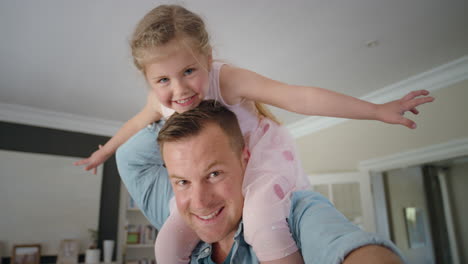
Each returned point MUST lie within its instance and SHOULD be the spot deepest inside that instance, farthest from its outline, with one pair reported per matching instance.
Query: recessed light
(372, 43)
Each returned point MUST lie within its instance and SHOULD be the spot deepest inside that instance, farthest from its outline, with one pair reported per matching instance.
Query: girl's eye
(188, 71)
(163, 80)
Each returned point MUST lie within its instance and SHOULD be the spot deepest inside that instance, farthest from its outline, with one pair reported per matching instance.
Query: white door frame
(437, 152)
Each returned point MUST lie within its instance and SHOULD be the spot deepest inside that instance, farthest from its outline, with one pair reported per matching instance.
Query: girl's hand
(96, 159)
(152, 102)
(393, 112)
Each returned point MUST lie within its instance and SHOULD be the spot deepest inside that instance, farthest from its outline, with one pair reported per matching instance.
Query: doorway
(422, 208)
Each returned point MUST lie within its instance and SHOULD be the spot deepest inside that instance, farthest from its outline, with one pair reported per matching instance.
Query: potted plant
(93, 252)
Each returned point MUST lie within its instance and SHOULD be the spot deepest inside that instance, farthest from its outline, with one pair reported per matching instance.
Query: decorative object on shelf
(133, 237)
(92, 256)
(93, 233)
(68, 251)
(1, 251)
(108, 250)
(26, 254)
(141, 261)
(141, 234)
(93, 253)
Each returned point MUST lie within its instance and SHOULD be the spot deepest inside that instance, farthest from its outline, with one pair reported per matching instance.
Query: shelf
(133, 209)
(140, 245)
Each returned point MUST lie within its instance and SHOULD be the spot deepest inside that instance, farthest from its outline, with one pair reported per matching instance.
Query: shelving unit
(136, 234)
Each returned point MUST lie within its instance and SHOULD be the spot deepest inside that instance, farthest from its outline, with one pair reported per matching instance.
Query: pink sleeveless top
(245, 110)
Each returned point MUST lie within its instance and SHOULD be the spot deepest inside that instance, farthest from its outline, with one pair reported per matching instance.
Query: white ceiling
(73, 57)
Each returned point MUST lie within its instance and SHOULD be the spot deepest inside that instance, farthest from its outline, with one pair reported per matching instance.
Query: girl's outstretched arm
(237, 83)
(149, 114)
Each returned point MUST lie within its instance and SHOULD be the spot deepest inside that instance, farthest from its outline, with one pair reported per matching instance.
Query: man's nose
(200, 197)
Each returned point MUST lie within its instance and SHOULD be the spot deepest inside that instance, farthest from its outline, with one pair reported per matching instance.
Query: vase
(92, 256)
(108, 250)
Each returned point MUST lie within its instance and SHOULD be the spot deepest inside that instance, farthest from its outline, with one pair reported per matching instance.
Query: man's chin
(210, 237)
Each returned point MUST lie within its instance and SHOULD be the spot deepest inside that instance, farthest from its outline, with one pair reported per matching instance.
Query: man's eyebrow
(173, 176)
(212, 164)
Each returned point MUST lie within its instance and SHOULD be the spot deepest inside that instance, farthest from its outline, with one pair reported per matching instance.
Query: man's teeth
(210, 215)
(183, 100)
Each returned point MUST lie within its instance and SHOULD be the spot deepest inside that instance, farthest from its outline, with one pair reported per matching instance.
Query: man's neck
(222, 248)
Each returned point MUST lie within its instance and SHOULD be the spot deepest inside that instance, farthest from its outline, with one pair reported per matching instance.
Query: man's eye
(181, 182)
(189, 71)
(163, 80)
(214, 174)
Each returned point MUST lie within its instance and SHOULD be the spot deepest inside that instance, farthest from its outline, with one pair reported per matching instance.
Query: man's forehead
(208, 148)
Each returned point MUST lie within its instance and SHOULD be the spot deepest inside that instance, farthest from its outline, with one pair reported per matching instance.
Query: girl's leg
(266, 208)
(175, 241)
(269, 180)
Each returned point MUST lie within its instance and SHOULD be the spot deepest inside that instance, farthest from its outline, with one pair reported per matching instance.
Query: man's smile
(206, 219)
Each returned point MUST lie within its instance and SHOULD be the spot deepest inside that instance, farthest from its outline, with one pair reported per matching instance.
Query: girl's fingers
(408, 123)
(81, 162)
(414, 94)
(414, 111)
(418, 101)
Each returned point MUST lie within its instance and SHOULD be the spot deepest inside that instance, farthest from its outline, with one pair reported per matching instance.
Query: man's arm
(141, 169)
(372, 254)
(324, 235)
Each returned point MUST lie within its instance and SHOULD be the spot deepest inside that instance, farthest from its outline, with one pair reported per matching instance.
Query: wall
(457, 181)
(33, 139)
(47, 191)
(341, 147)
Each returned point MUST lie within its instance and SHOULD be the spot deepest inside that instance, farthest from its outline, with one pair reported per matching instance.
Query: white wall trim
(437, 152)
(330, 178)
(437, 78)
(37, 117)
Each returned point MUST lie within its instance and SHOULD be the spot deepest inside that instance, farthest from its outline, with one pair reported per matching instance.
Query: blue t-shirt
(322, 233)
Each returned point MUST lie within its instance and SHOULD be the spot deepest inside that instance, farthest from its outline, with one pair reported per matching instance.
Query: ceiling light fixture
(372, 43)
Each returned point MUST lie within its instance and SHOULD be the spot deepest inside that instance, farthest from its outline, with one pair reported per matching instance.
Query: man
(204, 153)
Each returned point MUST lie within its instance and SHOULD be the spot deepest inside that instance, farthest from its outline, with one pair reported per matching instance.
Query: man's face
(206, 175)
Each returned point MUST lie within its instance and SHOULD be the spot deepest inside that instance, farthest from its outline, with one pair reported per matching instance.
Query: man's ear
(245, 156)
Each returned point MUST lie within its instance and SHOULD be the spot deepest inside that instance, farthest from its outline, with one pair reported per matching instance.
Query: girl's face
(180, 77)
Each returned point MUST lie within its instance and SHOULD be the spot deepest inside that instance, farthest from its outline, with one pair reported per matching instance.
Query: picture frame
(415, 227)
(68, 251)
(26, 254)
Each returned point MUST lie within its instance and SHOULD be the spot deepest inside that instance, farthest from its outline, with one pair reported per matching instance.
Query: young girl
(170, 46)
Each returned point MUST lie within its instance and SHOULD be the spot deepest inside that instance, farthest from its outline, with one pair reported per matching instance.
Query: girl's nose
(178, 88)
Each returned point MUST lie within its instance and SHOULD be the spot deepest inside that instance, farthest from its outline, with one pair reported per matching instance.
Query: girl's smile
(186, 102)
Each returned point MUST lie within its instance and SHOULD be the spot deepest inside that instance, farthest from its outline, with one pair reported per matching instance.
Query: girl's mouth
(186, 101)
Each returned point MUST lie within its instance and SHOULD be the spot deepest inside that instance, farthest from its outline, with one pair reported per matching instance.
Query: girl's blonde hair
(163, 24)
(168, 22)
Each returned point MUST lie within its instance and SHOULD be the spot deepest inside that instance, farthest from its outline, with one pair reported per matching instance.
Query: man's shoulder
(307, 201)
(323, 233)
